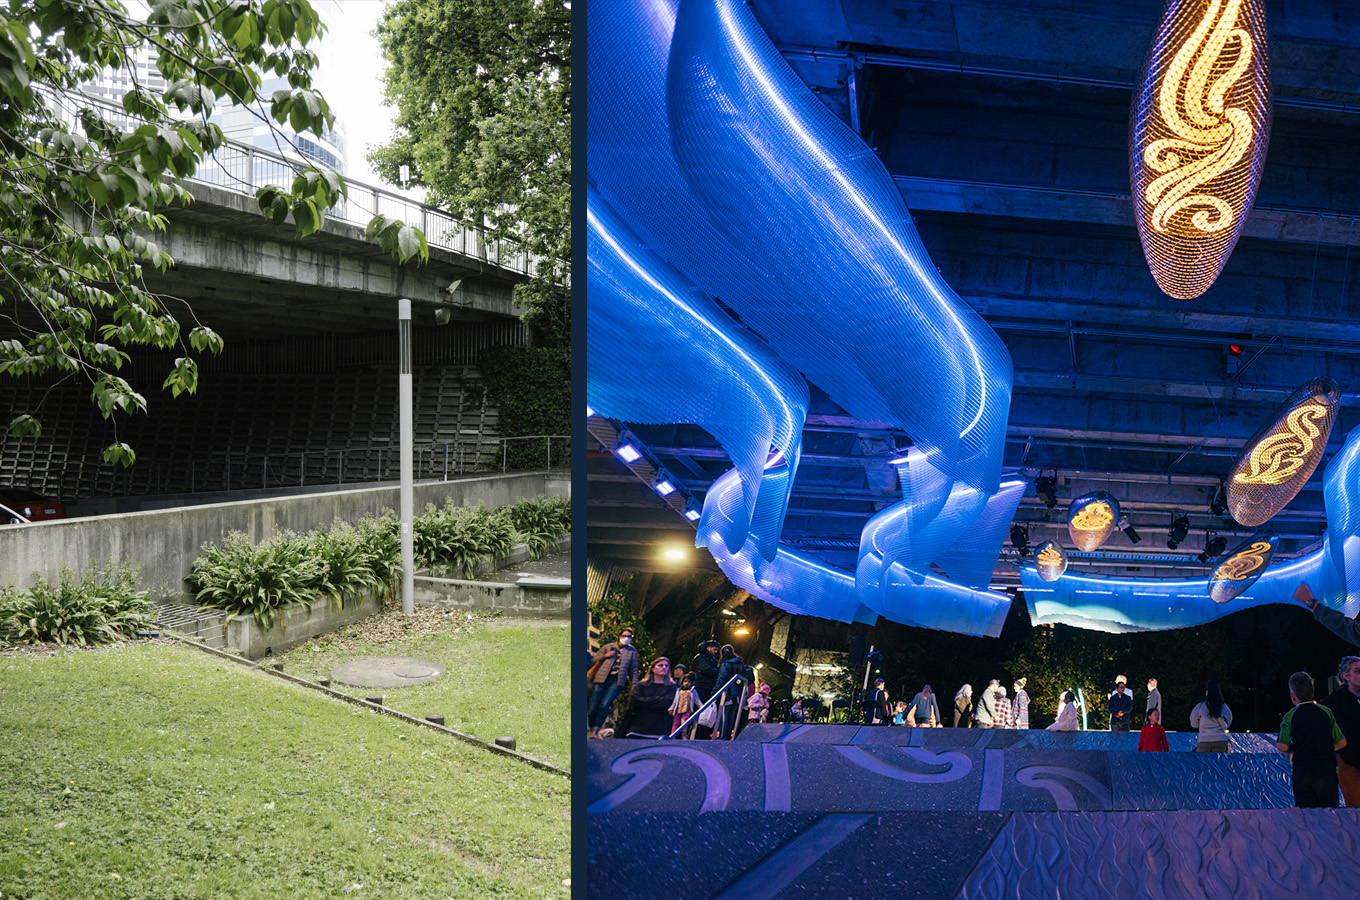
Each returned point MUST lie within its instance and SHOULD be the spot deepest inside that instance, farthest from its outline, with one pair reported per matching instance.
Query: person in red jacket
(1153, 735)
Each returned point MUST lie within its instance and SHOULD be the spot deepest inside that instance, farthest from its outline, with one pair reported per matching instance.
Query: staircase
(205, 625)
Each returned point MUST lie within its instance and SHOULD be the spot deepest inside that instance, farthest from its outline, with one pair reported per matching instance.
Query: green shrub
(381, 538)
(348, 567)
(540, 521)
(102, 607)
(242, 579)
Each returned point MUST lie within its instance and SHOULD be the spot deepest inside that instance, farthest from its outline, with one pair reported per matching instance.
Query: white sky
(351, 79)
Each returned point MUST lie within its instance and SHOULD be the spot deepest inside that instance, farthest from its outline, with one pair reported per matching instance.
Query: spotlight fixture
(627, 452)
(662, 484)
(1046, 489)
(692, 511)
(1180, 527)
(1213, 549)
(1127, 527)
(1020, 539)
(1218, 504)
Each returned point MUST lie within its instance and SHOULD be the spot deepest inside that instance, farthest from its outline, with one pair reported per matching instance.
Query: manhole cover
(386, 671)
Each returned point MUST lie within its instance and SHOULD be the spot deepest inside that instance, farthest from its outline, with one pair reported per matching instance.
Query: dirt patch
(54, 649)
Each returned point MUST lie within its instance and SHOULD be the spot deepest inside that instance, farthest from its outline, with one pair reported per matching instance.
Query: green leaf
(119, 454)
(25, 425)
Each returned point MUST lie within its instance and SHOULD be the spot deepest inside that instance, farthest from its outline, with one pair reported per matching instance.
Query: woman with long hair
(1211, 718)
(650, 700)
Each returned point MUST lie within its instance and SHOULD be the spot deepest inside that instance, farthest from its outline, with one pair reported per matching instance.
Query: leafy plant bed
(504, 676)
(155, 771)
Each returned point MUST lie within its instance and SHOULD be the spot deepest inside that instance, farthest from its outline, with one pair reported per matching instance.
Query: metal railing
(243, 169)
(436, 461)
(722, 712)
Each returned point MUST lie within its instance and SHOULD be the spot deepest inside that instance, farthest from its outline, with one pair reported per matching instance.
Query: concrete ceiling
(1005, 126)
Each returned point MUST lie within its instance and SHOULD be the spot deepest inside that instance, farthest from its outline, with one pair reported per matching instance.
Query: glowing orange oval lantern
(1050, 560)
(1240, 569)
(1091, 518)
(1197, 138)
(1281, 456)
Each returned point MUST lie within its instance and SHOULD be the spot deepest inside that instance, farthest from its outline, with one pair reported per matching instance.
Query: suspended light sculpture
(1198, 133)
(1091, 518)
(1281, 456)
(1050, 560)
(1242, 567)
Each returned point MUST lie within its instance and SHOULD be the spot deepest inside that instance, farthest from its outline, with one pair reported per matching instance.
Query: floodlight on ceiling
(1020, 539)
(1046, 489)
(1129, 532)
(1218, 504)
(1180, 527)
(1213, 549)
(627, 452)
(692, 511)
(662, 484)
(1199, 128)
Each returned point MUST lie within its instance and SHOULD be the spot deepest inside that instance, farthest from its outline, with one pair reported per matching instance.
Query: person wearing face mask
(615, 668)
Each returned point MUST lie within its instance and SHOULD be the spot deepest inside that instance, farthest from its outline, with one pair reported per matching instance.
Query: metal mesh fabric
(1280, 457)
(1198, 133)
(644, 323)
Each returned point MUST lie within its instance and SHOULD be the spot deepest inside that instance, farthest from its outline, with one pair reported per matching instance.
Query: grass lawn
(504, 676)
(158, 771)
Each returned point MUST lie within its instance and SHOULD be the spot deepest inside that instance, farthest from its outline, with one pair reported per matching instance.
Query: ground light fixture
(1180, 527)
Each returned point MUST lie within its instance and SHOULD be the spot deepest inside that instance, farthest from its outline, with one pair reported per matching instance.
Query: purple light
(692, 515)
(664, 487)
(628, 453)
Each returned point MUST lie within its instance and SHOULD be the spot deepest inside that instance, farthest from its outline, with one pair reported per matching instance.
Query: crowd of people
(1322, 737)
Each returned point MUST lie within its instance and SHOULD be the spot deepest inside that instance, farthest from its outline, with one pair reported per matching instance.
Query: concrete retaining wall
(164, 543)
(295, 624)
(511, 599)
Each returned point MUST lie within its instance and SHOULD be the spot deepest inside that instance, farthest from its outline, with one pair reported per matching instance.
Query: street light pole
(407, 500)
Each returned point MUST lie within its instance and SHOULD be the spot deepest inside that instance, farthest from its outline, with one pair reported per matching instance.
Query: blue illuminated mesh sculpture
(808, 279)
(646, 325)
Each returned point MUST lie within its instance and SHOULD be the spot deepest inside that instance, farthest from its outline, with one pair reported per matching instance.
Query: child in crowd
(1311, 737)
(758, 706)
(1153, 736)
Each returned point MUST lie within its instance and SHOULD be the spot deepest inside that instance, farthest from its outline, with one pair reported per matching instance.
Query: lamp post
(407, 493)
